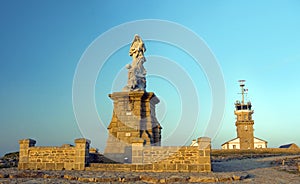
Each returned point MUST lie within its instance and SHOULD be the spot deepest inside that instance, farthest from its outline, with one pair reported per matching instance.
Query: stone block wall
(140, 158)
(184, 158)
(66, 157)
(163, 159)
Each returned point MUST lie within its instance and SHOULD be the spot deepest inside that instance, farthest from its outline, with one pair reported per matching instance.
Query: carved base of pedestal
(133, 118)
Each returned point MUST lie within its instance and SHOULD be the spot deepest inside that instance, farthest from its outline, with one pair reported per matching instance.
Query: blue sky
(41, 43)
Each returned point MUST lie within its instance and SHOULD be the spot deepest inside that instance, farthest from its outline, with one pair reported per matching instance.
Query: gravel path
(262, 170)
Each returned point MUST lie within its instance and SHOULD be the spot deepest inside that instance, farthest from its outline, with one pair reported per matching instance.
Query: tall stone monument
(134, 118)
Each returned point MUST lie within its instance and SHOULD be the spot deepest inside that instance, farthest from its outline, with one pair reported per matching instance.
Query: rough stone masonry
(66, 157)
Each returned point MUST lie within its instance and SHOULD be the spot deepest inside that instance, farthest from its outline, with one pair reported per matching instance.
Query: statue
(136, 71)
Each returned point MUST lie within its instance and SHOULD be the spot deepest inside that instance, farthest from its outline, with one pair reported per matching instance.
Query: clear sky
(41, 43)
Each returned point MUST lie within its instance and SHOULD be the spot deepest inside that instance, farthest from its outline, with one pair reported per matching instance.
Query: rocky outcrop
(9, 160)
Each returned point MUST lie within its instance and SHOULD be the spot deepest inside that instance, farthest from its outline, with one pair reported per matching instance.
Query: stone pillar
(82, 147)
(204, 145)
(25, 145)
(137, 150)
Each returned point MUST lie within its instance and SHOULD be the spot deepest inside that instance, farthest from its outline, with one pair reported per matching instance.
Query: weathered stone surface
(179, 179)
(106, 179)
(194, 179)
(70, 177)
(244, 177)
(85, 179)
(235, 178)
(4, 175)
(66, 157)
(172, 158)
(134, 123)
(150, 179)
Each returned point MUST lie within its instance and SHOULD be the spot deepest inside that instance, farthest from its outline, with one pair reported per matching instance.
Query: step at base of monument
(155, 167)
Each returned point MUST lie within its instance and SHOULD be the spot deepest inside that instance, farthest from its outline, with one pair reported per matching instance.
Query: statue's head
(137, 46)
(137, 39)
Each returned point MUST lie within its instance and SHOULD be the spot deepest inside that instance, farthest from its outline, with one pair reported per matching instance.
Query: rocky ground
(278, 169)
(275, 169)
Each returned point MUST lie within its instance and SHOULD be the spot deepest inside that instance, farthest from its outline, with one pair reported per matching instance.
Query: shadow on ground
(239, 165)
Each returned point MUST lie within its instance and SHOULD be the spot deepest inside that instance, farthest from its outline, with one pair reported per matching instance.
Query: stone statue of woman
(136, 71)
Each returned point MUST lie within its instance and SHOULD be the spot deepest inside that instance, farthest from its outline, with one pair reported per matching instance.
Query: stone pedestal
(133, 117)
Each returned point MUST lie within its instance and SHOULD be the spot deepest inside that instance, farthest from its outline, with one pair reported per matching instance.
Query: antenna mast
(242, 84)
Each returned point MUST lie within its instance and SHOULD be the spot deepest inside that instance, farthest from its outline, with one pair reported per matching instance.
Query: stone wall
(162, 159)
(176, 155)
(139, 157)
(171, 158)
(66, 157)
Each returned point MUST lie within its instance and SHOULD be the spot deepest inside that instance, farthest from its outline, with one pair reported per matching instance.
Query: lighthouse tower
(244, 126)
(244, 123)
